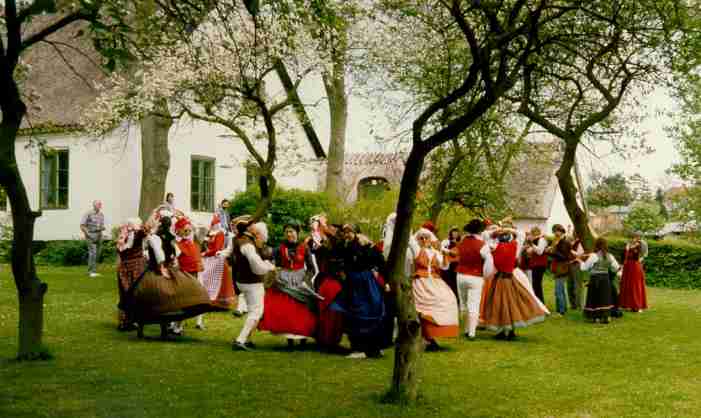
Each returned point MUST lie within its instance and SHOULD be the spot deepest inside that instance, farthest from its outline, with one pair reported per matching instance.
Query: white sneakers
(94, 274)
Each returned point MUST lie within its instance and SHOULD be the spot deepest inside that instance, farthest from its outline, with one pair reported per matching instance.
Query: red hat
(182, 223)
(430, 226)
(215, 220)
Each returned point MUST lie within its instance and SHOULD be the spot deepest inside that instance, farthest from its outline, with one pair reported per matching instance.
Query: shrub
(644, 217)
(5, 242)
(670, 263)
(368, 214)
(72, 253)
(288, 205)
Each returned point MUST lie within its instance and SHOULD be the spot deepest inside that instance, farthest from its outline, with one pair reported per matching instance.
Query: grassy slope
(645, 364)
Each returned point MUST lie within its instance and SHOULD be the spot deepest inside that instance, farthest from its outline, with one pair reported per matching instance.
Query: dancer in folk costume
(489, 238)
(449, 274)
(509, 303)
(290, 304)
(361, 300)
(216, 276)
(163, 290)
(435, 302)
(188, 256)
(390, 296)
(132, 264)
(560, 250)
(325, 244)
(239, 226)
(474, 263)
(599, 295)
(249, 271)
(537, 260)
(633, 295)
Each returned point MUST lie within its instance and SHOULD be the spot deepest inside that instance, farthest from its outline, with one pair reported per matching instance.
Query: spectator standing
(92, 225)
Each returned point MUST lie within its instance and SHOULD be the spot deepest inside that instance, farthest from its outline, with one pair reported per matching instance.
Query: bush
(5, 242)
(673, 264)
(369, 214)
(72, 253)
(288, 205)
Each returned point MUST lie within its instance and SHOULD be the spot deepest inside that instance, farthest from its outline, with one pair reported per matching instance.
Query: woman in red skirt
(289, 303)
(633, 295)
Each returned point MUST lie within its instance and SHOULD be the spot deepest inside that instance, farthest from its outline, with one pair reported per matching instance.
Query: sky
(366, 122)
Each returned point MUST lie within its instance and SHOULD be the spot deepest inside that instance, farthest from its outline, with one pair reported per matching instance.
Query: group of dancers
(333, 282)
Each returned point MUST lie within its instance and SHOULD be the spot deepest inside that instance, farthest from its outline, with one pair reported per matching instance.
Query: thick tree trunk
(155, 161)
(409, 345)
(338, 110)
(30, 290)
(579, 217)
(267, 185)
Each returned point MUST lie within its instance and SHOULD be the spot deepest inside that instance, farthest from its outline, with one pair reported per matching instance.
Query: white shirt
(157, 245)
(586, 265)
(258, 265)
(540, 247)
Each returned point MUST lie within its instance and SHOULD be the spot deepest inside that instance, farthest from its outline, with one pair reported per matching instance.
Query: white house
(206, 164)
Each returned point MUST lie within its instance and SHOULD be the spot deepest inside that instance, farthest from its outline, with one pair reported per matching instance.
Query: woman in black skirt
(599, 296)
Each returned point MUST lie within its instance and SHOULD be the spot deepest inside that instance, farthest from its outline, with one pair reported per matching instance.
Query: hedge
(70, 253)
(670, 263)
(287, 206)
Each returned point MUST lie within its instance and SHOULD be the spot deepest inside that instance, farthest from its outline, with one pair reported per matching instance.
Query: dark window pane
(63, 179)
(63, 160)
(63, 198)
(194, 204)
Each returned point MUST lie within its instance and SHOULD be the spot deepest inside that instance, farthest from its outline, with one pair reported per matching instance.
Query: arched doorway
(372, 187)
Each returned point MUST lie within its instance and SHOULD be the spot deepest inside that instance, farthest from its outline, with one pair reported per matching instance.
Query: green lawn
(645, 364)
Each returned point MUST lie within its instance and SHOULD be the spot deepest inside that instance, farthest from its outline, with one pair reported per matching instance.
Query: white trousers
(470, 295)
(253, 294)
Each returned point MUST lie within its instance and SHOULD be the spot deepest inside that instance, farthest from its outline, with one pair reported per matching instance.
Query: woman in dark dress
(599, 296)
(361, 300)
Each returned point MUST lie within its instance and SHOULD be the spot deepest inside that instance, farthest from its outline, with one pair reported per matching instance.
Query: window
(54, 179)
(202, 185)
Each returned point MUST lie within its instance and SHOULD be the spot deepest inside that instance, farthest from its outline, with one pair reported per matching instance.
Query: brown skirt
(179, 293)
(510, 305)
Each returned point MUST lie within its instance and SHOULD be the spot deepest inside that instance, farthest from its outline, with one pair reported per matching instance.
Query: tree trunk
(30, 290)
(409, 345)
(338, 109)
(155, 161)
(267, 185)
(580, 220)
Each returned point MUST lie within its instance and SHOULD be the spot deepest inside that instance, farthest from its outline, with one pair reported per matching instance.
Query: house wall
(110, 170)
(558, 212)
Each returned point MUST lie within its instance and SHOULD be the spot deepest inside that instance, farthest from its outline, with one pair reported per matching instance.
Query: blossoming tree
(221, 72)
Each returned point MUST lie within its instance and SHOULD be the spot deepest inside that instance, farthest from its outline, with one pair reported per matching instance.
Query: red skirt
(284, 315)
(330, 329)
(633, 295)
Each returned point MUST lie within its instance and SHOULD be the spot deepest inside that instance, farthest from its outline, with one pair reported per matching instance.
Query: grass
(642, 365)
